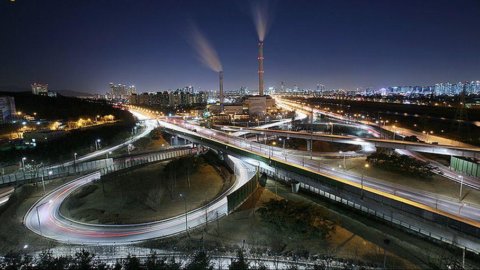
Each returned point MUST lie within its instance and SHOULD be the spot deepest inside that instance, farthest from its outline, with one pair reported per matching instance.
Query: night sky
(85, 44)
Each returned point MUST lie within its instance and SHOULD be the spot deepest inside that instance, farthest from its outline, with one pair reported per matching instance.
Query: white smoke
(205, 51)
(261, 18)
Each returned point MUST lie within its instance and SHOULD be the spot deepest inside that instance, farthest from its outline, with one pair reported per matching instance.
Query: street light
(75, 162)
(97, 144)
(23, 162)
(366, 166)
(38, 215)
(461, 188)
(23, 167)
(344, 160)
(186, 219)
(43, 182)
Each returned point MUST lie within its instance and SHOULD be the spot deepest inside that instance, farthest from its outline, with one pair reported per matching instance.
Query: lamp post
(366, 166)
(23, 167)
(394, 131)
(23, 162)
(43, 180)
(75, 162)
(271, 148)
(461, 188)
(97, 144)
(186, 218)
(344, 160)
(283, 142)
(38, 215)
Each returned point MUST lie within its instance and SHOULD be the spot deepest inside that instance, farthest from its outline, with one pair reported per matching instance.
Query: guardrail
(378, 199)
(239, 196)
(104, 165)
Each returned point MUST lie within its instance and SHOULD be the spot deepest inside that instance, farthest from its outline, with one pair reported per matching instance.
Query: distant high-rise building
(39, 89)
(320, 89)
(121, 90)
(188, 89)
(7, 109)
(180, 97)
(243, 91)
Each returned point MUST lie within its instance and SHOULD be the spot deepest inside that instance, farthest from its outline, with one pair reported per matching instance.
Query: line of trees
(85, 260)
(288, 217)
(402, 164)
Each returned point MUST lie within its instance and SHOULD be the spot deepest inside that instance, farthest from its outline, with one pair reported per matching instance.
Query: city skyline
(73, 46)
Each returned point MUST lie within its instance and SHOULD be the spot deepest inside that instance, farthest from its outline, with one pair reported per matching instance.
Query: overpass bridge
(469, 152)
(409, 208)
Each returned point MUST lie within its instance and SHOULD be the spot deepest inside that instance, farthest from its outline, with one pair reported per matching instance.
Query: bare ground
(146, 194)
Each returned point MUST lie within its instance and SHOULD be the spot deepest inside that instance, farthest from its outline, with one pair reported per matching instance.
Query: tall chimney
(220, 75)
(260, 68)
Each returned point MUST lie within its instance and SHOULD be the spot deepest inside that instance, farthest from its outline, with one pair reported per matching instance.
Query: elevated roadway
(470, 152)
(392, 200)
(435, 202)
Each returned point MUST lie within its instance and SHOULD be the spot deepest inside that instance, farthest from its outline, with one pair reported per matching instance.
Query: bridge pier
(309, 145)
(384, 150)
(295, 186)
(199, 148)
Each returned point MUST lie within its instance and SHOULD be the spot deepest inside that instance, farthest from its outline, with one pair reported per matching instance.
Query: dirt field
(245, 228)
(152, 142)
(356, 238)
(146, 194)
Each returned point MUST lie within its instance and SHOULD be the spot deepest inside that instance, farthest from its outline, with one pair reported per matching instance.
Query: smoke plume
(261, 18)
(205, 51)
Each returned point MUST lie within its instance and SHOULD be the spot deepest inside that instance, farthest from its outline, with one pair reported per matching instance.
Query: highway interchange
(45, 219)
(49, 223)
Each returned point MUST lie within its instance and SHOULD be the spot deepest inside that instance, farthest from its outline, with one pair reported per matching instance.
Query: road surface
(448, 205)
(45, 219)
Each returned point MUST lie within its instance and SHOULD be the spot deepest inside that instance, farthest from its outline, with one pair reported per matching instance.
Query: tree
(117, 266)
(48, 262)
(320, 266)
(83, 260)
(239, 263)
(132, 263)
(297, 217)
(154, 263)
(102, 266)
(200, 261)
(13, 259)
